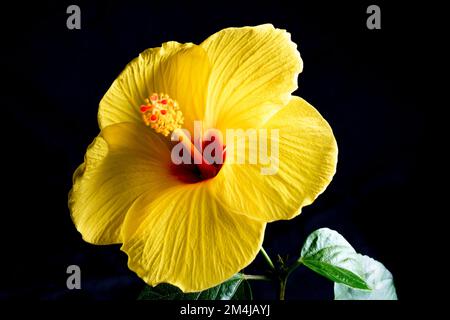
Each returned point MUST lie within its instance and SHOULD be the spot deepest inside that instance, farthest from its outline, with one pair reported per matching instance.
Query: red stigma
(144, 108)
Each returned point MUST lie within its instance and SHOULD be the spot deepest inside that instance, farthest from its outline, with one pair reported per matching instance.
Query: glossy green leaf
(235, 288)
(244, 291)
(376, 276)
(327, 252)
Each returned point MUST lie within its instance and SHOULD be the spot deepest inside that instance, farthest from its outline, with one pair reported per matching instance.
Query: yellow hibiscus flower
(197, 233)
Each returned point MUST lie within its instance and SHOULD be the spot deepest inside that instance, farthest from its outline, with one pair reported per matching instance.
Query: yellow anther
(162, 113)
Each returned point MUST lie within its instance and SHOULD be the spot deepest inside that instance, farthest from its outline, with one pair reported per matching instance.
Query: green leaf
(233, 288)
(328, 253)
(244, 291)
(377, 277)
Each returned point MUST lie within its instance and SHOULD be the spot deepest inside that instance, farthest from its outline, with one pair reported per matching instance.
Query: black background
(364, 82)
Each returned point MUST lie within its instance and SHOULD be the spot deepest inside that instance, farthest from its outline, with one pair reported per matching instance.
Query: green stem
(293, 267)
(256, 277)
(283, 281)
(283, 277)
(267, 258)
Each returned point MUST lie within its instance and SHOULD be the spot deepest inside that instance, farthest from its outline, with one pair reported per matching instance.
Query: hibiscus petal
(254, 71)
(124, 161)
(307, 163)
(186, 238)
(179, 70)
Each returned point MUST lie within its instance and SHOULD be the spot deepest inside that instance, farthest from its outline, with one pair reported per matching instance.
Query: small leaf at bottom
(230, 289)
(328, 253)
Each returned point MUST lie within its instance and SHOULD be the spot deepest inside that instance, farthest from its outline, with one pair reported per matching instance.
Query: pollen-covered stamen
(162, 113)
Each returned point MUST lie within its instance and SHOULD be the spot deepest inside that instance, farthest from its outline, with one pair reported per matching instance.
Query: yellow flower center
(162, 113)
